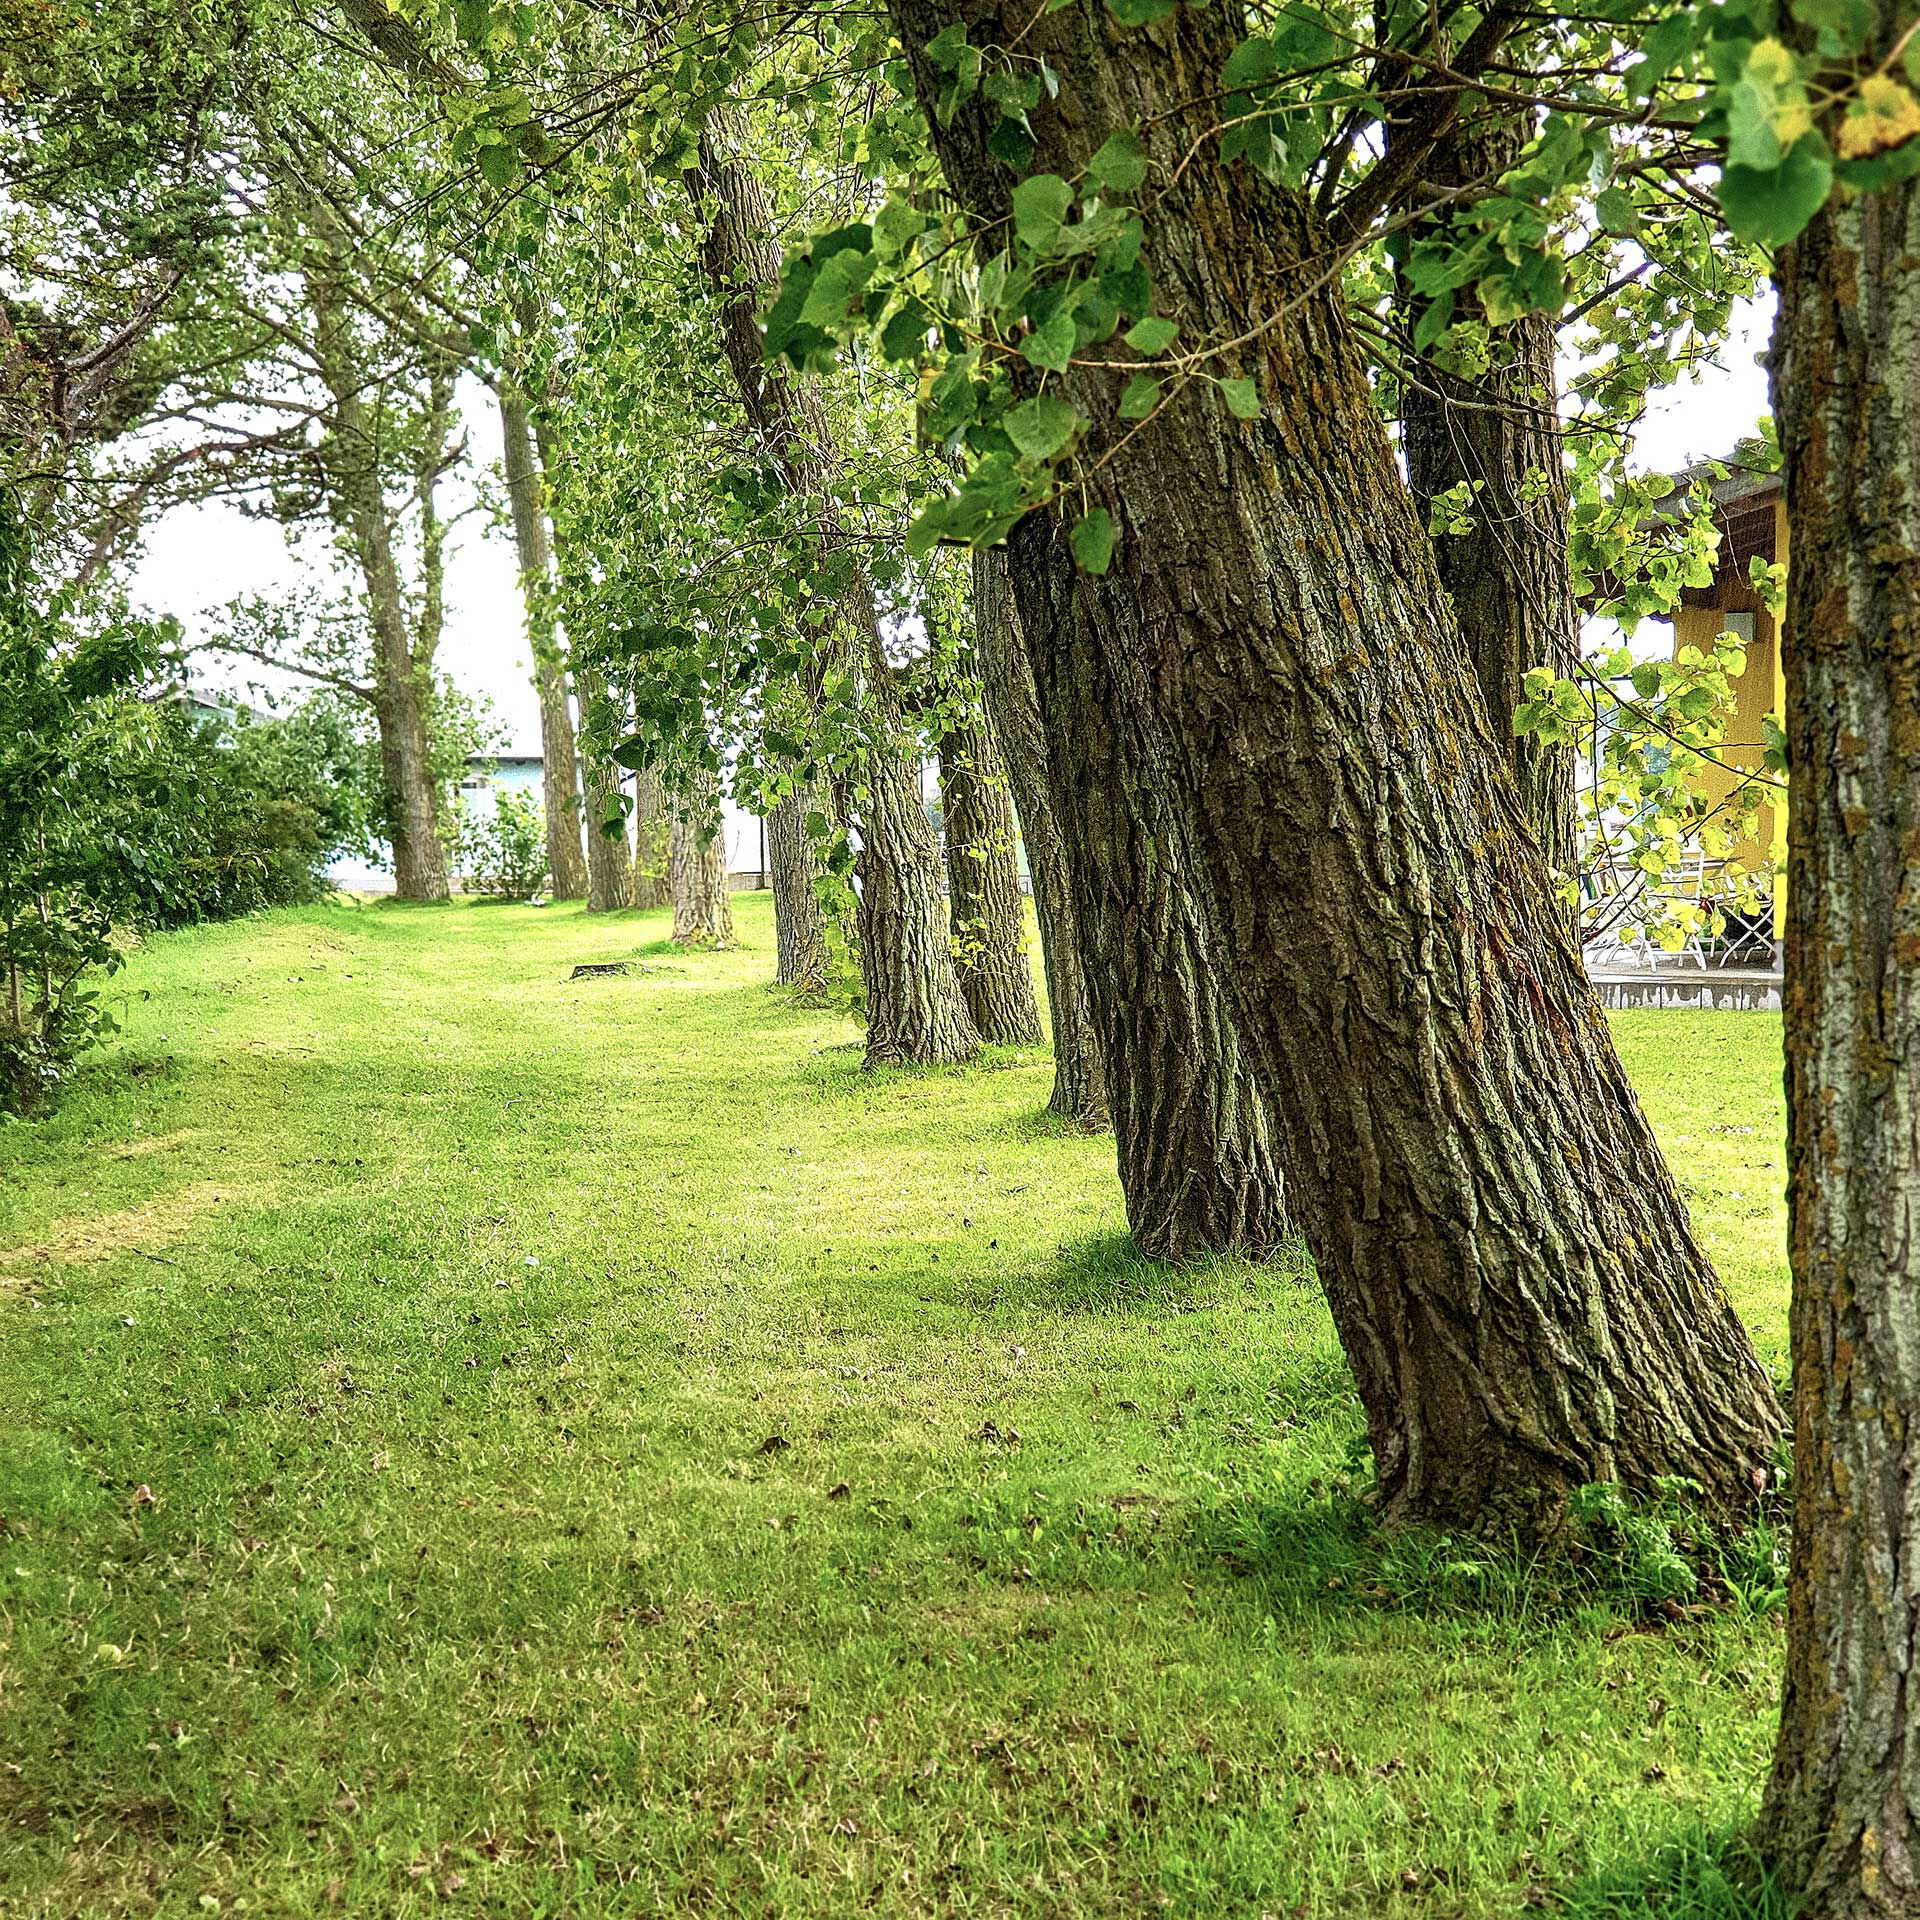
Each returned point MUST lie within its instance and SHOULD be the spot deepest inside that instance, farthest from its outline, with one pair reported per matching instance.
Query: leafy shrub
(71, 791)
(504, 853)
(120, 810)
(268, 802)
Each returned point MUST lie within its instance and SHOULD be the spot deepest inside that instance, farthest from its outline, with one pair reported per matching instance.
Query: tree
(1480, 432)
(915, 1010)
(561, 772)
(983, 876)
(650, 835)
(70, 788)
(1193, 1129)
(796, 825)
(350, 458)
(1509, 1265)
(1841, 1823)
(610, 881)
(1079, 1066)
(702, 906)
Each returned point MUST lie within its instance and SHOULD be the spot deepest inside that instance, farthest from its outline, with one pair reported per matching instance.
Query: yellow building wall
(1760, 690)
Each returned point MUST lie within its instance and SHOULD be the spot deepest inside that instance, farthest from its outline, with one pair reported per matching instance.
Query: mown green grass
(396, 1344)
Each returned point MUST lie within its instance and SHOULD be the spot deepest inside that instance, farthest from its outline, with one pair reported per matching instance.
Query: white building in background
(520, 768)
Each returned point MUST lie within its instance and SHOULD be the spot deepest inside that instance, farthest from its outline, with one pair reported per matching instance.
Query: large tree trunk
(702, 906)
(985, 905)
(914, 1009)
(800, 921)
(1511, 1270)
(1079, 1071)
(402, 677)
(1509, 577)
(1192, 1128)
(406, 766)
(650, 833)
(1841, 1825)
(560, 780)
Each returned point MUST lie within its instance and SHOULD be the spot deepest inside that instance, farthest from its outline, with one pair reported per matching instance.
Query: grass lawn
(473, 1441)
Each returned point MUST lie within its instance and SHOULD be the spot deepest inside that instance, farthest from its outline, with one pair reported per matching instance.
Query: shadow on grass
(1702, 1876)
(1107, 1273)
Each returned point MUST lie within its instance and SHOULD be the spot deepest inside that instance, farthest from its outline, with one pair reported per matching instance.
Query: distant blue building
(491, 773)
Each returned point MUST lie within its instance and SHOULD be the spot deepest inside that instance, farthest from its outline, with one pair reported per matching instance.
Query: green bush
(504, 853)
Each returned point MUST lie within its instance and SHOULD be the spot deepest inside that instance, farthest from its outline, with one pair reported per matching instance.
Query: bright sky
(198, 559)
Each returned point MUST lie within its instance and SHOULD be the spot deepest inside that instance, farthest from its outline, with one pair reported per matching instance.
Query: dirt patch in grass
(149, 1143)
(155, 1223)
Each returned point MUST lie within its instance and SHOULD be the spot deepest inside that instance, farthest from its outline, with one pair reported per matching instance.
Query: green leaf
(1614, 209)
(1242, 398)
(1251, 64)
(499, 166)
(1139, 13)
(947, 46)
(1153, 334)
(1434, 322)
(1093, 541)
(1040, 427)
(1039, 206)
(1772, 205)
(1012, 145)
(896, 225)
(1050, 346)
(1140, 398)
(1121, 164)
(843, 276)
(1843, 26)
(1751, 140)
(904, 337)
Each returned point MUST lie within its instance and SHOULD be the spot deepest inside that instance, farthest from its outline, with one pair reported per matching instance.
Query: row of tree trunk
(1272, 733)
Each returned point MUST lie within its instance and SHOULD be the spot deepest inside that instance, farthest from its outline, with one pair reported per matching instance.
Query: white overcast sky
(198, 559)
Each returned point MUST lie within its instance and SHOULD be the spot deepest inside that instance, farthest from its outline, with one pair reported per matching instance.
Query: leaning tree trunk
(1192, 1128)
(702, 906)
(1509, 576)
(1079, 1071)
(914, 1009)
(1841, 1825)
(983, 887)
(560, 778)
(799, 920)
(650, 834)
(1510, 1267)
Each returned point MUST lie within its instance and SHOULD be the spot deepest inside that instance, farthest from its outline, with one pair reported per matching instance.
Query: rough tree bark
(650, 833)
(609, 860)
(402, 660)
(1841, 1825)
(1192, 1129)
(560, 778)
(914, 1008)
(1079, 1070)
(800, 921)
(1510, 577)
(1510, 1267)
(702, 907)
(983, 885)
